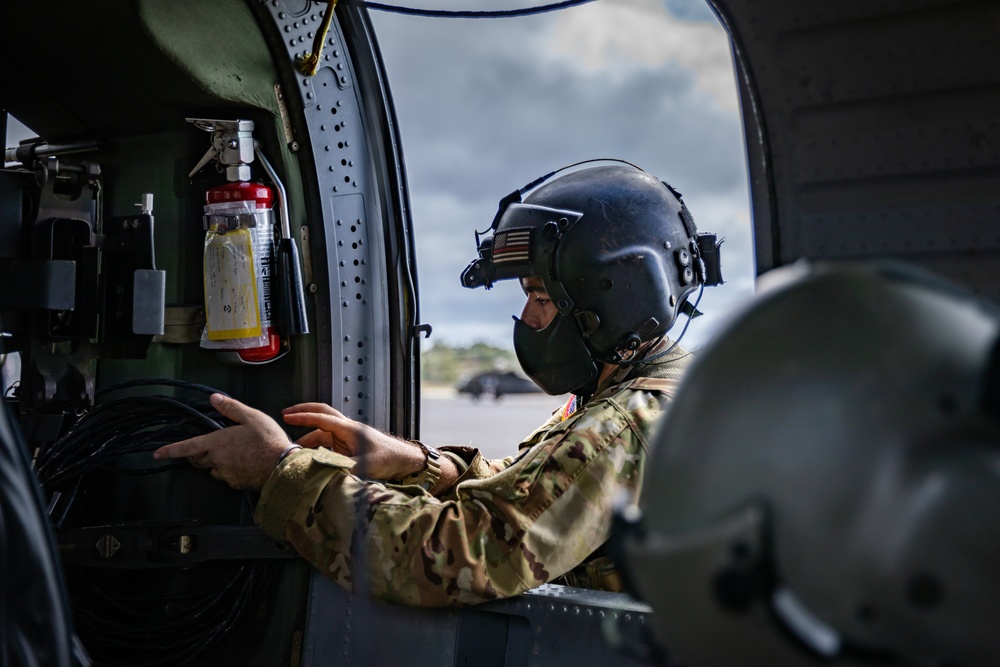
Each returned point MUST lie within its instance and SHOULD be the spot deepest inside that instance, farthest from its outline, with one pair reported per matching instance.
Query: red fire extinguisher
(261, 236)
(239, 250)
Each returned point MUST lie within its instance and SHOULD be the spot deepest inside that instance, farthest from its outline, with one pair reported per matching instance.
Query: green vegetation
(447, 364)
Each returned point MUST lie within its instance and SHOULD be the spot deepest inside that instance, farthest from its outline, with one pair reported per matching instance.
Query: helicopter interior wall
(168, 62)
(129, 73)
(165, 63)
(120, 68)
(871, 131)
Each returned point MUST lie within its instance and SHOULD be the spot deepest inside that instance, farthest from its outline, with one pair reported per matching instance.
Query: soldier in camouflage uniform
(607, 257)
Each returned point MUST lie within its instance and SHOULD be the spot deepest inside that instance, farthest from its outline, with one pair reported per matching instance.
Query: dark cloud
(478, 117)
(483, 109)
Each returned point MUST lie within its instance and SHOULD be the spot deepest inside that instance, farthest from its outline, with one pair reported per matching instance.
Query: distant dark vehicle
(496, 384)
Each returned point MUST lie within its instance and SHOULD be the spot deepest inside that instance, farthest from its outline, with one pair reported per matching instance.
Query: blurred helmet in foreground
(826, 486)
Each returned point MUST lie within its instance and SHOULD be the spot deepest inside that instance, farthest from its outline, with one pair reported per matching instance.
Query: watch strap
(428, 477)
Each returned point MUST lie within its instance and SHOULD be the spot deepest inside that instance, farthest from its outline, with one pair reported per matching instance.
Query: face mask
(555, 357)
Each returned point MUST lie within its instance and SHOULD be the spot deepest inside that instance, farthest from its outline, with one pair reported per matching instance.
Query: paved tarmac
(494, 426)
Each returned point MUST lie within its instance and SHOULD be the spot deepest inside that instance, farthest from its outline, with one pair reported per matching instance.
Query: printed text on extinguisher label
(231, 301)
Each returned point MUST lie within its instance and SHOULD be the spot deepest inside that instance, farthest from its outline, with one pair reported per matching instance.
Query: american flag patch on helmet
(512, 246)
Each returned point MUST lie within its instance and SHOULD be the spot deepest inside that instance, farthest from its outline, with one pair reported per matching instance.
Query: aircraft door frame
(359, 263)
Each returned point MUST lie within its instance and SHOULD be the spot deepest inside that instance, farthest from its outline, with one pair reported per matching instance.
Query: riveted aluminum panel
(549, 626)
(872, 131)
(347, 246)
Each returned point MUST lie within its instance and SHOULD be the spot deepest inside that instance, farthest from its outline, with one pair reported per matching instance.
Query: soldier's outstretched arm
(244, 456)
(378, 455)
(495, 537)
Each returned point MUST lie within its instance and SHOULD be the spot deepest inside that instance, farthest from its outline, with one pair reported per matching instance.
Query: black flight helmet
(618, 253)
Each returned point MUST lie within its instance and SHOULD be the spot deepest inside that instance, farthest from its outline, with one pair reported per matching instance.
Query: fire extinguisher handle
(291, 297)
(290, 303)
(286, 225)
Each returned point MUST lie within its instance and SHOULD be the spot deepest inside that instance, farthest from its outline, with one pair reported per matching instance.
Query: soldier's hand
(243, 456)
(379, 456)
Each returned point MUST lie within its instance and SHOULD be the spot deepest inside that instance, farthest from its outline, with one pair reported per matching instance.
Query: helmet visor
(523, 244)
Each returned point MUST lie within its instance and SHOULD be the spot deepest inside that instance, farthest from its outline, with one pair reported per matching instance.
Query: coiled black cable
(130, 617)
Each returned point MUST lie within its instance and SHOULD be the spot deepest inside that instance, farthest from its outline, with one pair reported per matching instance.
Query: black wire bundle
(118, 615)
(125, 426)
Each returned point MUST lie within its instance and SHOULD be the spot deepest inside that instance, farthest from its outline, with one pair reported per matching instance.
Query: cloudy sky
(485, 106)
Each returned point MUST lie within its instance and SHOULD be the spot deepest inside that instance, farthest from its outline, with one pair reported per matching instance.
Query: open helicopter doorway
(486, 105)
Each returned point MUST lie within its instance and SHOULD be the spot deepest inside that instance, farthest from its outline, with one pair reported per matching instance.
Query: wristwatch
(426, 478)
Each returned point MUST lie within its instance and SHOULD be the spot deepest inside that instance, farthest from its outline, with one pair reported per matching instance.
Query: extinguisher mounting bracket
(232, 146)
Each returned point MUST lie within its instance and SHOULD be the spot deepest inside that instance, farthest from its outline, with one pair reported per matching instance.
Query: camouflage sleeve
(472, 464)
(497, 537)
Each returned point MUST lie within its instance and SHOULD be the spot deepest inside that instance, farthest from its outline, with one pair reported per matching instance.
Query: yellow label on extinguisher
(231, 306)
